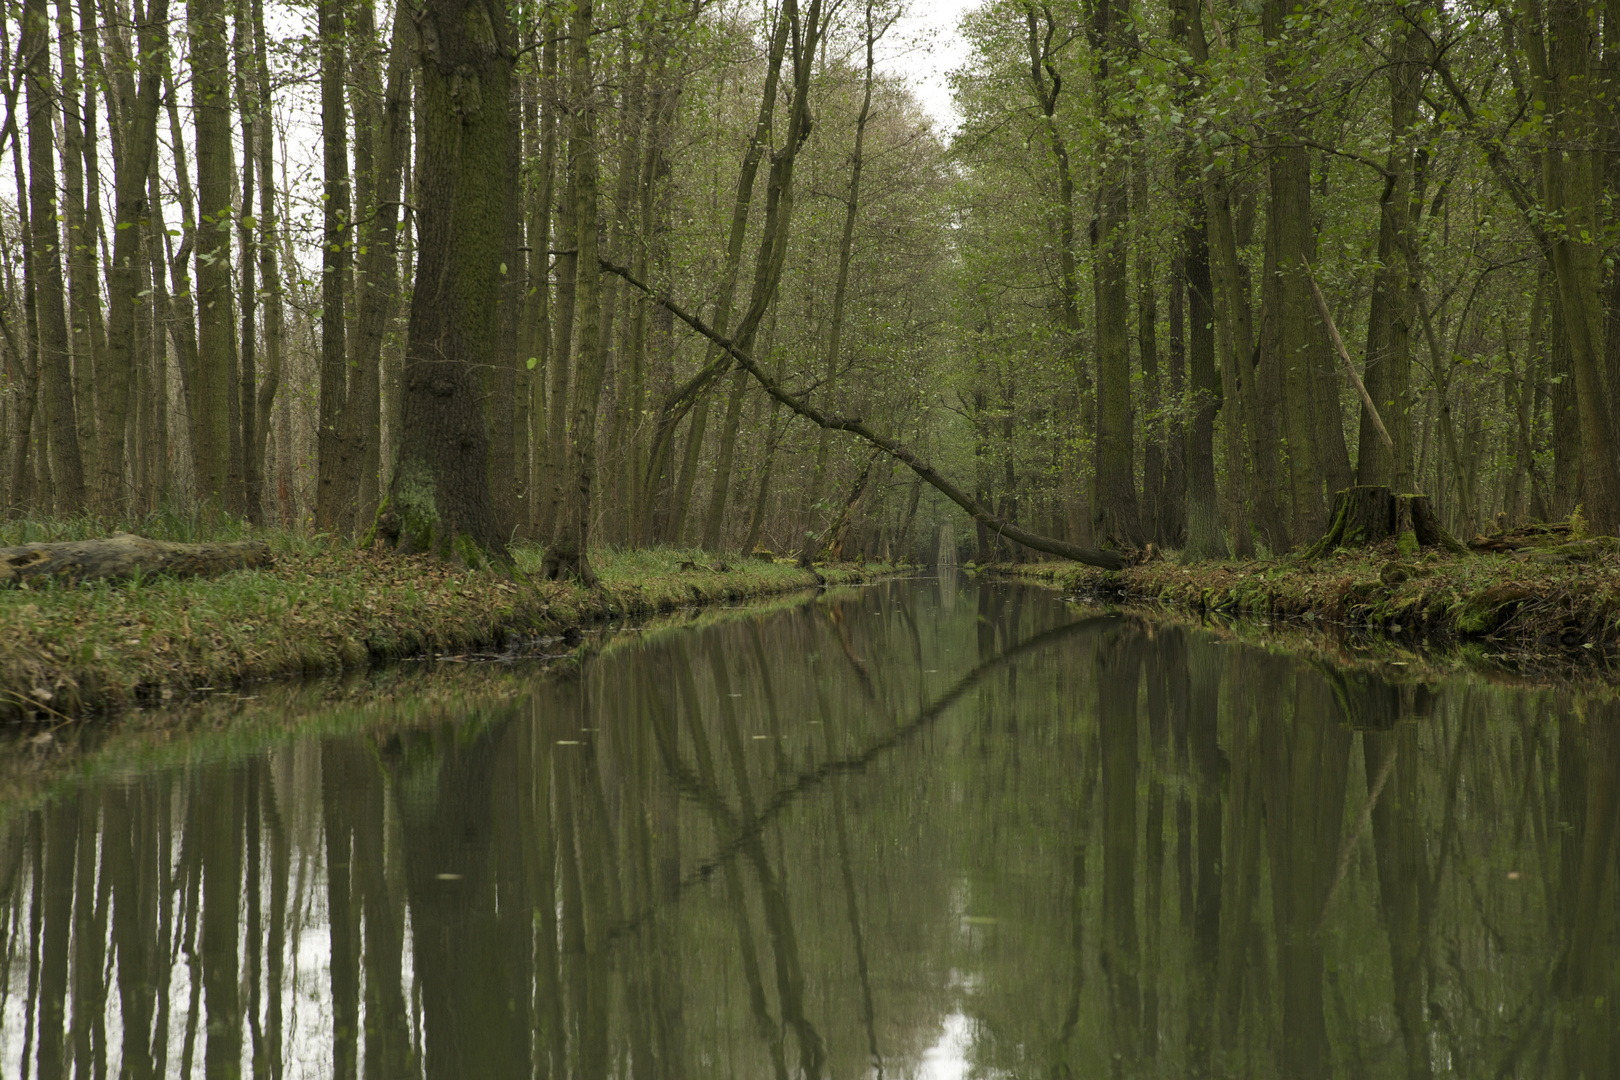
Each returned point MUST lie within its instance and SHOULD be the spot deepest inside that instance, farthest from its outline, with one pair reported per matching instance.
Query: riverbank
(1543, 605)
(326, 607)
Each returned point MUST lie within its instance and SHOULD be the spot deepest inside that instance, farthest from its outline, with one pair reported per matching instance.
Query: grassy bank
(36, 761)
(324, 607)
(1542, 603)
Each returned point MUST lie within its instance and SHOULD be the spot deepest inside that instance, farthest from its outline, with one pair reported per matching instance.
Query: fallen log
(1107, 560)
(123, 555)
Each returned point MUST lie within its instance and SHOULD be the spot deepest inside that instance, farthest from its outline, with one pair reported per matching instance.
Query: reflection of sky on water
(947, 1058)
(918, 871)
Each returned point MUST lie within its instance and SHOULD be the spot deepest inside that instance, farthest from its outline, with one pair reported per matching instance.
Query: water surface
(927, 829)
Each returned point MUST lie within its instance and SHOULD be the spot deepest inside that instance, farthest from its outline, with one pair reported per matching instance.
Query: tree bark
(378, 292)
(333, 499)
(216, 331)
(84, 279)
(45, 249)
(568, 552)
(539, 272)
(439, 497)
(125, 277)
(1116, 513)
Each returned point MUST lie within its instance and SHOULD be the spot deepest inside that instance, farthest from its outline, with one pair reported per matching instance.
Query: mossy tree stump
(1367, 513)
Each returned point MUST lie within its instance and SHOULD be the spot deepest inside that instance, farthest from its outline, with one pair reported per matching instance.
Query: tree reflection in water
(847, 840)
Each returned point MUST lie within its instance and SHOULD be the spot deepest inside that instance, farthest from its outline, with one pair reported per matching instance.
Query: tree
(438, 500)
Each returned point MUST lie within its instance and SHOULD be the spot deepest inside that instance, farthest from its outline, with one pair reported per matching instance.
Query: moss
(415, 507)
(1528, 603)
(324, 606)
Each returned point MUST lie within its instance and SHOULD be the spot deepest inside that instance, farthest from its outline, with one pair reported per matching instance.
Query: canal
(930, 829)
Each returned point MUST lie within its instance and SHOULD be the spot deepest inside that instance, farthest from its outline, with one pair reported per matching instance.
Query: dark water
(913, 831)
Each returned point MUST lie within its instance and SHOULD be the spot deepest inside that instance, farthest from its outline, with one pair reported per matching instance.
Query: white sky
(924, 47)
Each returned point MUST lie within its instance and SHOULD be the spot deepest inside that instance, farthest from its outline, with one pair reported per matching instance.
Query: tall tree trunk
(383, 120)
(1173, 498)
(84, 280)
(506, 369)
(1116, 508)
(333, 499)
(252, 109)
(183, 317)
(539, 270)
(562, 347)
(835, 339)
(1147, 337)
(45, 248)
(216, 330)
(124, 282)
(693, 396)
(1204, 537)
(439, 494)
(1298, 329)
(1392, 314)
(639, 112)
(1047, 86)
(568, 553)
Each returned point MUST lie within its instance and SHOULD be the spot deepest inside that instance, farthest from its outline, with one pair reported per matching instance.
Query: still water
(927, 829)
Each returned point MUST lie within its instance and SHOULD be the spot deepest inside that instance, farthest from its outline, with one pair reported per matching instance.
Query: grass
(35, 763)
(1533, 604)
(325, 606)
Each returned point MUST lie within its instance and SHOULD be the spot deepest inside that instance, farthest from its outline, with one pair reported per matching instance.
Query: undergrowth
(323, 606)
(1525, 601)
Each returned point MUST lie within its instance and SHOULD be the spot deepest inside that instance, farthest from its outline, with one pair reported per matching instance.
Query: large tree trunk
(332, 495)
(1116, 508)
(45, 246)
(1230, 300)
(438, 498)
(216, 330)
(1392, 314)
(1289, 217)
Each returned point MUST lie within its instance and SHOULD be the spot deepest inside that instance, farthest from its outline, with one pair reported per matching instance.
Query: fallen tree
(1107, 560)
(124, 555)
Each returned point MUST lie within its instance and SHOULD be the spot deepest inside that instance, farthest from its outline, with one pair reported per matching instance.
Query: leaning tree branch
(1108, 560)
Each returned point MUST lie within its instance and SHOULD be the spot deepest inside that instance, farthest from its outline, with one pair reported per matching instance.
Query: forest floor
(325, 606)
(1542, 612)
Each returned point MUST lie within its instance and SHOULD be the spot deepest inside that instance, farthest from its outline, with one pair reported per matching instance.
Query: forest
(458, 274)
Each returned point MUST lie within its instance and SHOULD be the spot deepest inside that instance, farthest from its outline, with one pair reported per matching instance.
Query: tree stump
(123, 555)
(1366, 514)
(1430, 533)
(1362, 515)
